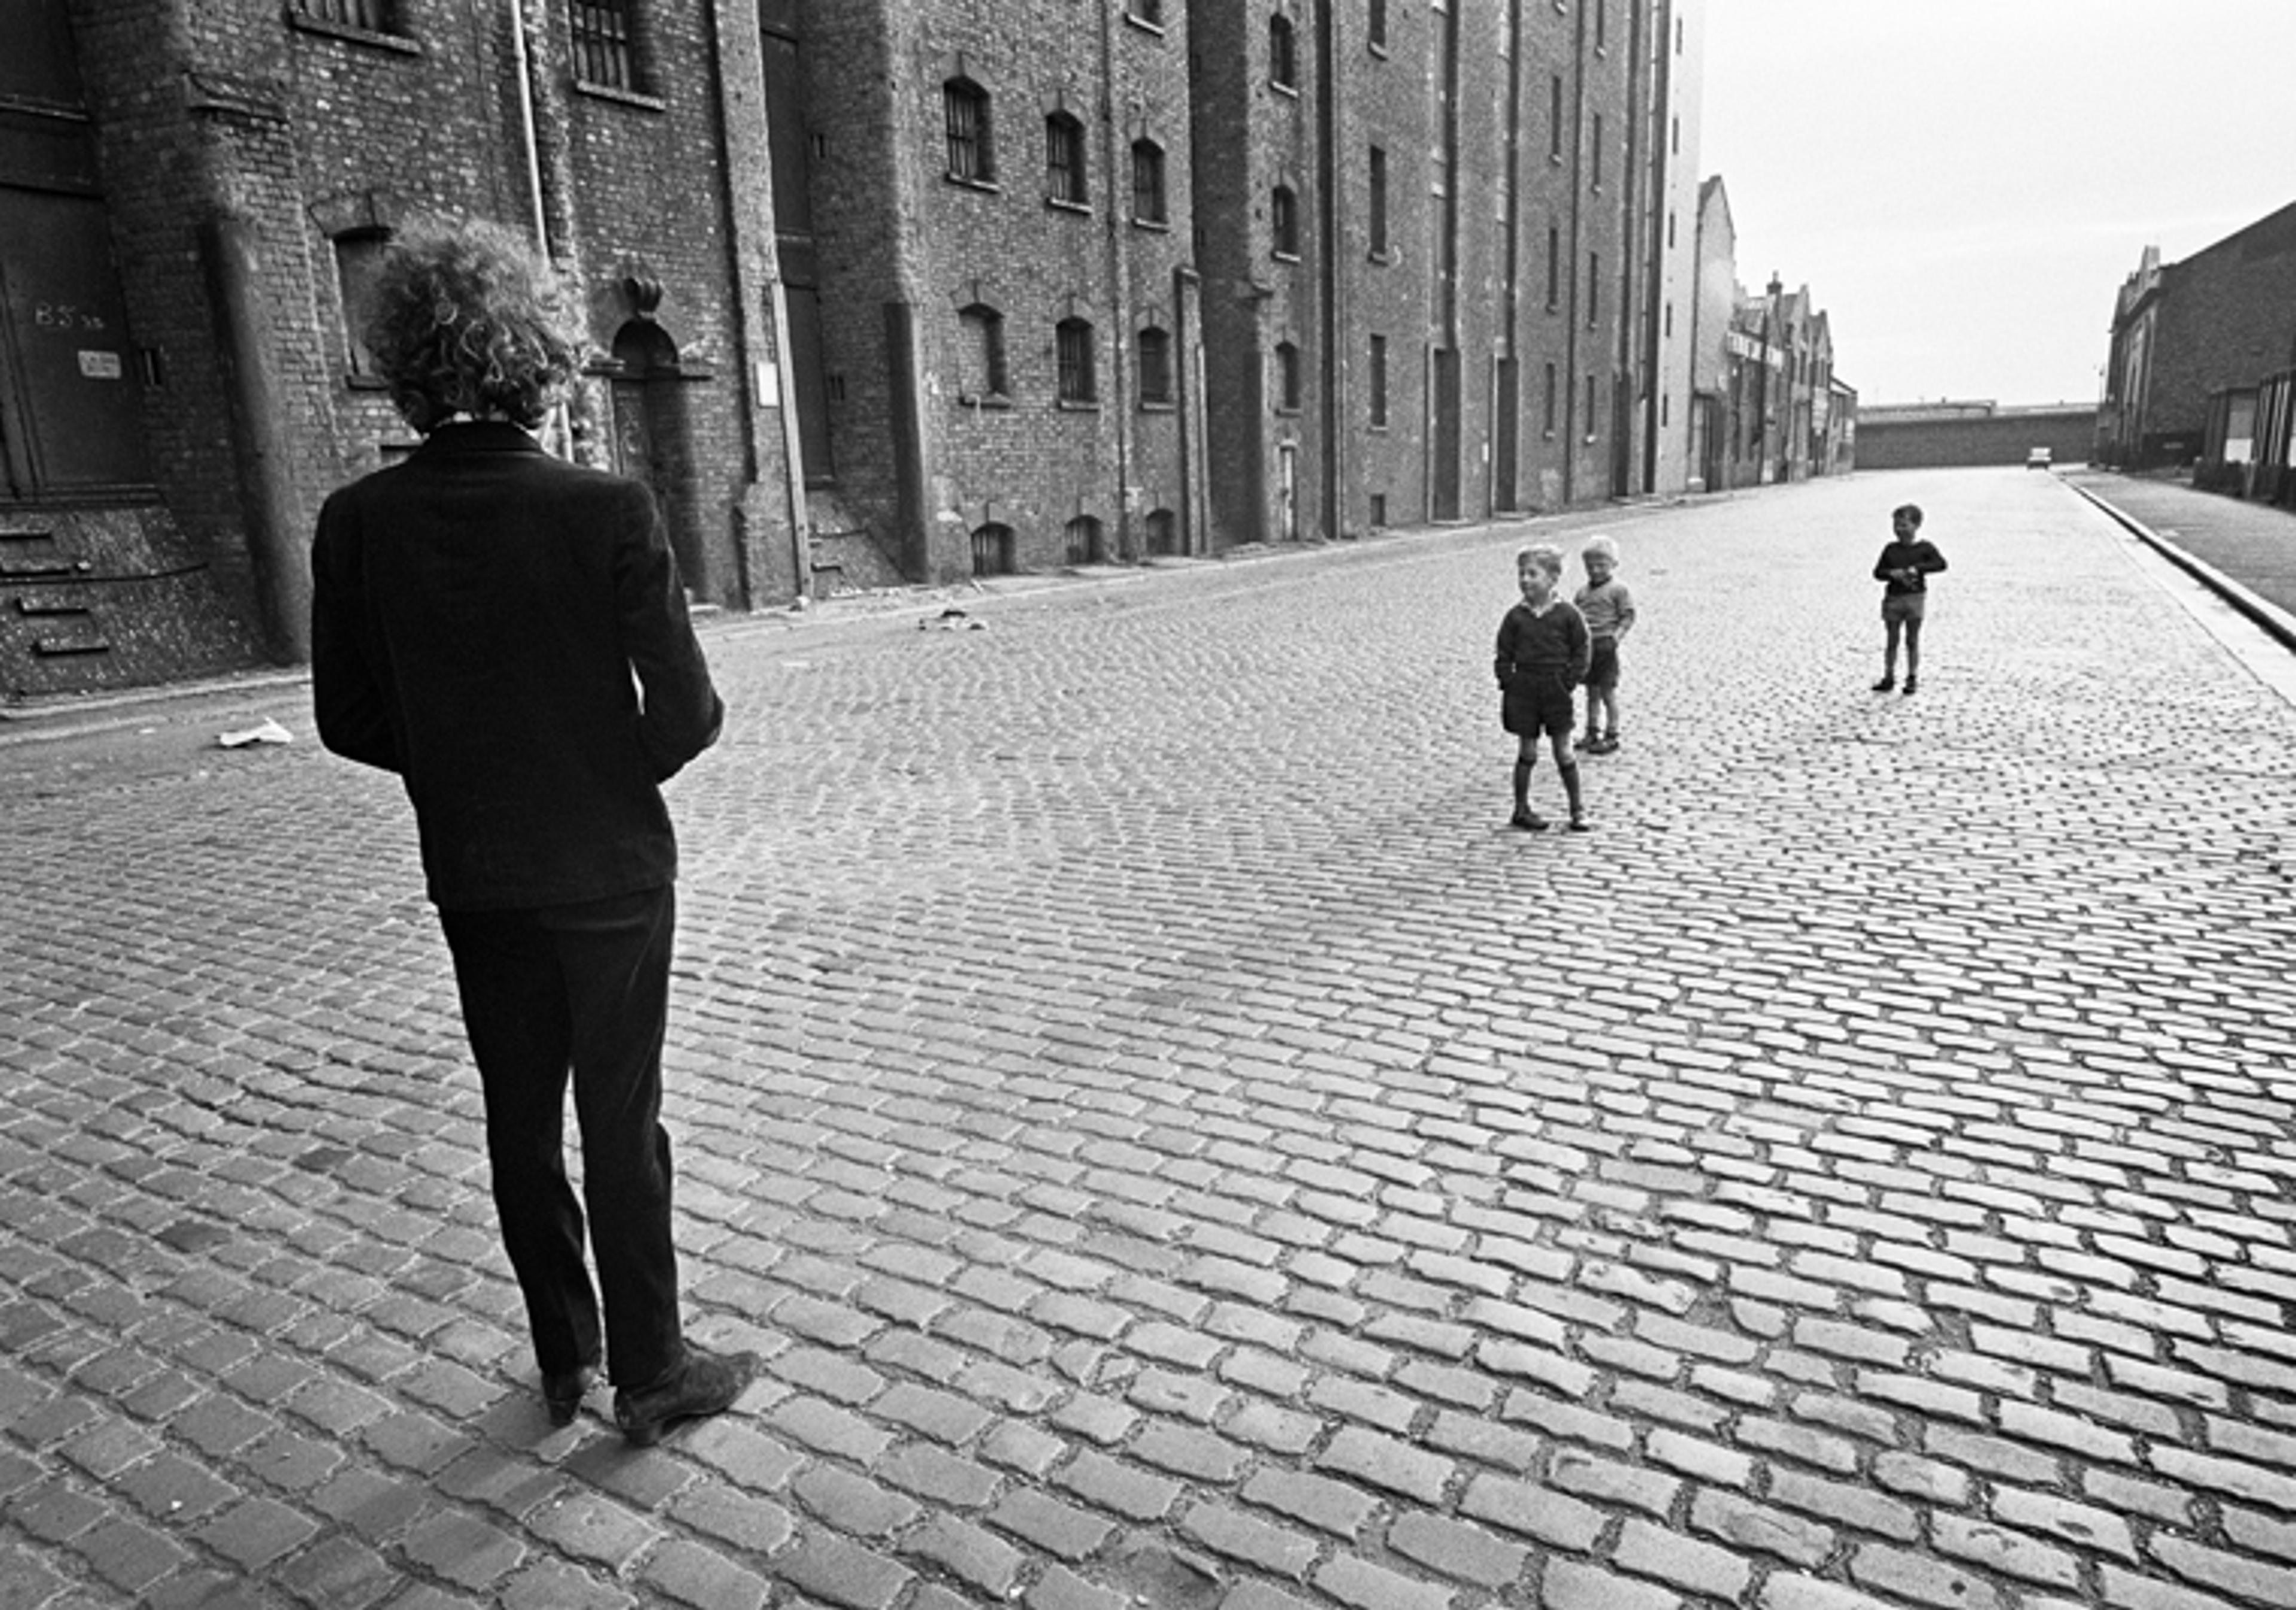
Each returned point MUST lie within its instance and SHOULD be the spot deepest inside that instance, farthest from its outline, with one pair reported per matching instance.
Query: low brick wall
(1911, 444)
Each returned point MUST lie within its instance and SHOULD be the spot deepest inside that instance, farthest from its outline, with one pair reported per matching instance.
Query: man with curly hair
(507, 633)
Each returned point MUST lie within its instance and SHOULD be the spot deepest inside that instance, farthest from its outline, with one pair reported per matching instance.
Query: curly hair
(469, 319)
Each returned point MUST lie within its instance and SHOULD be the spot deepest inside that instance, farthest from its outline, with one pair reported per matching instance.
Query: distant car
(2038, 458)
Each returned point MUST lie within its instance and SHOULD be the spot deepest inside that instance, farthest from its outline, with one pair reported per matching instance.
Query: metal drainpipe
(1120, 303)
(558, 431)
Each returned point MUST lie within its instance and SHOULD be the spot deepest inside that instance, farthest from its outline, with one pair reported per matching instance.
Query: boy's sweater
(1609, 609)
(1552, 642)
(1918, 556)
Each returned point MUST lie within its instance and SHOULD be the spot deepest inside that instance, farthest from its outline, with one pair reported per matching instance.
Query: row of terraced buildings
(882, 291)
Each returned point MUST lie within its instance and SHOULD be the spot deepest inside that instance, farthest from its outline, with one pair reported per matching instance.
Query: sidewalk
(2236, 547)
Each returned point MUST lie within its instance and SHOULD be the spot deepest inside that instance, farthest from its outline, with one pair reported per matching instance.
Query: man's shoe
(1909, 685)
(1530, 821)
(704, 1385)
(1885, 685)
(562, 1395)
(1579, 824)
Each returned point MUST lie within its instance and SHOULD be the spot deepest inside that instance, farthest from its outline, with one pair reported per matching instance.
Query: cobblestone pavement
(1177, 1148)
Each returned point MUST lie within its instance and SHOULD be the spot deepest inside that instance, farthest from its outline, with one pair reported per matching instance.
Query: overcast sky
(1963, 184)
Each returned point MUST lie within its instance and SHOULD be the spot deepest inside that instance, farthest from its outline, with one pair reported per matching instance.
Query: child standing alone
(1607, 608)
(1903, 570)
(1543, 652)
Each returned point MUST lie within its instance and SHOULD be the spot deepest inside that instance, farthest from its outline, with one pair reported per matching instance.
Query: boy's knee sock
(1522, 782)
(1571, 787)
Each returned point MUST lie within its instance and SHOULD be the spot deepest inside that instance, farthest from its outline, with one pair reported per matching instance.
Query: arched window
(1064, 165)
(1148, 205)
(1155, 366)
(1084, 540)
(1284, 221)
(965, 107)
(983, 374)
(1282, 52)
(1079, 382)
(992, 550)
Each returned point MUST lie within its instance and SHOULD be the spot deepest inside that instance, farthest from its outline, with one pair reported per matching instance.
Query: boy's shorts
(1603, 670)
(1903, 606)
(1529, 708)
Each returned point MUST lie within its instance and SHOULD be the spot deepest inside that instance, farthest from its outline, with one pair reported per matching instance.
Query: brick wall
(1996, 438)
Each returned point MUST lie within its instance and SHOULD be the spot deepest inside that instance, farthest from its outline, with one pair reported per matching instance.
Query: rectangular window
(1375, 25)
(1590, 409)
(1547, 412)
(1593, 287)
(965, 108)
(1147, 182)
(1064, 160)
(601, 33)
(369, 16)
(1554, 118)
(1377, 202)
(1553, 266)
(1379, 381)
(1596, 156)
(1079, 383)
(1155, 366)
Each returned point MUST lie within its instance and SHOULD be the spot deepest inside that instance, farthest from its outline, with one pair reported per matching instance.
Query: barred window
(371, 16)
(1148, 206)
(604, 44)
(964, 106)
(1064, 166)
(1078, 382)
(1155, 365)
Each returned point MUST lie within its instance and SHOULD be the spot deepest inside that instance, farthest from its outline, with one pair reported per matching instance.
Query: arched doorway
(651, 434)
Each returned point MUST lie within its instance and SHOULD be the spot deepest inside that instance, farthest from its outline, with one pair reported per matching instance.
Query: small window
(1553, 266)
(1593, 287)
(992, 550)
(1084, 540)
(1375, 25)
(1595, 161)
(1378, 209)
(1064, 166)
(368, 16)
(1547, 412)
(1282, 53)
(1554, 118)
(605, 54)
(1670, 232)
(984, 376)
(1287, 377)
(1602, 24)
(1378, 510)
(1079, 381)
(965, 107)
(1590, 407)
(358, 259)
(1155, 348)
(1148, 206)
(1151, 12)
(1379, 382)
(1284, 221)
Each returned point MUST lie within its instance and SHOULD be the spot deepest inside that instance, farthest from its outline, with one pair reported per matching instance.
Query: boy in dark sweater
(1543, 652)
(1904, 568)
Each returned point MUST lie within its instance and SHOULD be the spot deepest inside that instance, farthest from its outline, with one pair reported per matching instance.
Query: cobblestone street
(1177, 1147)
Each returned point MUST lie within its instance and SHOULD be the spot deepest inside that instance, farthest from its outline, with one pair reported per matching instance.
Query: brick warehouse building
(883, 290)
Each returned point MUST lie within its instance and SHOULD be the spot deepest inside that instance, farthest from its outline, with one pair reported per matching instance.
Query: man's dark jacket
(507, 633)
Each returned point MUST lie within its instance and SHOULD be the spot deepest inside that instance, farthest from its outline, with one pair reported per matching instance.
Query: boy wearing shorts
(1903, 570)
(1608, 609)
(1543, 651)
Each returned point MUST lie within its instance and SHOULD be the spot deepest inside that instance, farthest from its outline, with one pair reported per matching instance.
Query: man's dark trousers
(582, 988)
